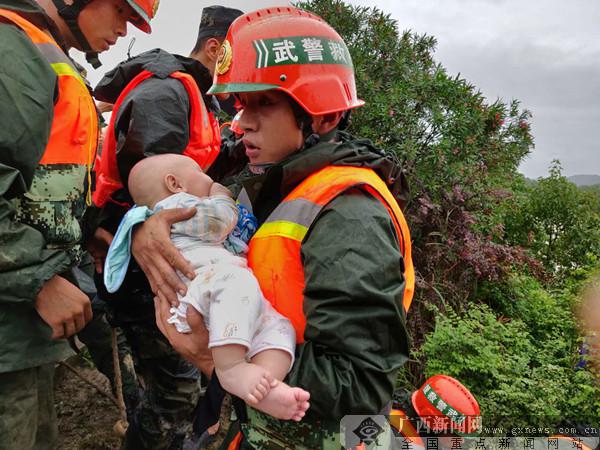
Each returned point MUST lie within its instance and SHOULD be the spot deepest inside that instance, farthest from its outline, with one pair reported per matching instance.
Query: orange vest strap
(275, 250)
(203, 145)
(200, 124)
(108, 179)
(35, 34)
(47, 46)
(236, 442)
(402, 424)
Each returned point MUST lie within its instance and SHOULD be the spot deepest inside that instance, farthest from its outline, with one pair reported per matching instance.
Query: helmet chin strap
(70, 14)
(305, 123)
(311, 140)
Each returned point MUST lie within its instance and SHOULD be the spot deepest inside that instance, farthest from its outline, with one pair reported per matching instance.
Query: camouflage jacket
(39, 205)
(355, 336)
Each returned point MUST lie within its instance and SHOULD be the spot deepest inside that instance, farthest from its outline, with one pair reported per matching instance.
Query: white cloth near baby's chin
(225, 291)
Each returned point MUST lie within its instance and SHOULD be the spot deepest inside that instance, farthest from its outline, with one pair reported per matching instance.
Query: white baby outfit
(224, 290)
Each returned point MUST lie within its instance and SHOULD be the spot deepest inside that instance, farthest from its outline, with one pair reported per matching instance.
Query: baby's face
(194, 181)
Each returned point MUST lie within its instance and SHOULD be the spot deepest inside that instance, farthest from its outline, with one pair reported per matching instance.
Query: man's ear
(327, 122)
(212, 47)
(172, 184)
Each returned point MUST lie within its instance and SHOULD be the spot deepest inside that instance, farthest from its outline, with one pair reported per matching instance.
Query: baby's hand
(219, 189)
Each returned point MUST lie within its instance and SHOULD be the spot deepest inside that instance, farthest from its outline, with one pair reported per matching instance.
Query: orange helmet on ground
(291, 50)
(444, 404)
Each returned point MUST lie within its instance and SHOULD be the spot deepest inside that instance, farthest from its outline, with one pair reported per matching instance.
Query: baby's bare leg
(282, 401)
(275, 361)
(250, 382)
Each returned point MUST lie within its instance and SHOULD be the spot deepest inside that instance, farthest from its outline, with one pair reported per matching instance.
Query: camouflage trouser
(171, 388)
(160, 389)
(160, 412)
(263, 432)
(97, 337)
(27, 414)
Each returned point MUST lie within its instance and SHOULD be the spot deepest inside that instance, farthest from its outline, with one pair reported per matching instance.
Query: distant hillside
(585, 180)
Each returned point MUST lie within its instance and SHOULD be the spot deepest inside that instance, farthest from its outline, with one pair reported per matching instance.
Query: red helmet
(145, 10)
(444, 404)
(291, 50)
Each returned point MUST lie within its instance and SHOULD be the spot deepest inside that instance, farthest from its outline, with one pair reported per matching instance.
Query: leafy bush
(519, 363)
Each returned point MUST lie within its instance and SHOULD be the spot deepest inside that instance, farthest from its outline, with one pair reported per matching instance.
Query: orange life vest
(203, 145)
(74, 133)
(274, 251)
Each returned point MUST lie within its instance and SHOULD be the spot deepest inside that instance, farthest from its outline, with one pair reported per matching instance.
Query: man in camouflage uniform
(46, 142)
(152, 119)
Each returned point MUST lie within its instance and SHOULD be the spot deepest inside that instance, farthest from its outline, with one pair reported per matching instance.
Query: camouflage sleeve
(27, 87)
(355, 337)
(153, 119)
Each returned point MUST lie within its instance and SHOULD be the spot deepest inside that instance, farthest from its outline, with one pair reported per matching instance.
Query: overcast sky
(545, 53)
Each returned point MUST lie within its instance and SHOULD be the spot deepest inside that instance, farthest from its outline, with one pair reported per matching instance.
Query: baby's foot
(285, 402)
(248, 381)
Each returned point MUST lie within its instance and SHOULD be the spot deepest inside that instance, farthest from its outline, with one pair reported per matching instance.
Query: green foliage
(439, 124)
(594, 193)
(519, 363)
(558, 222)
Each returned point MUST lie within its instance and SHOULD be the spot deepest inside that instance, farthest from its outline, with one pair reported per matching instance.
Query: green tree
(558, 222)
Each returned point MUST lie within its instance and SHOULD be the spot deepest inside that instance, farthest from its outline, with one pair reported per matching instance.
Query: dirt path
(85, 417)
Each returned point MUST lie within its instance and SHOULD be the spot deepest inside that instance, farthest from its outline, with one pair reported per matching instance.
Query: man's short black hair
(214, 23)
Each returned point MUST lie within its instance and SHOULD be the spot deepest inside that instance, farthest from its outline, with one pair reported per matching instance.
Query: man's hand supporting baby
(192, 346)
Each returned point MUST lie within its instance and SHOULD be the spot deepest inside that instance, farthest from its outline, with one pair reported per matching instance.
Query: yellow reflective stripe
(66, 69)
(282, 228)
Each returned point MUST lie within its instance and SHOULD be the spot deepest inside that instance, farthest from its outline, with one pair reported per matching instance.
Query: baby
(252, 345)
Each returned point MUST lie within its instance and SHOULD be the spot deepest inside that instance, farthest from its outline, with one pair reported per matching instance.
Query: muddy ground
(86, 417)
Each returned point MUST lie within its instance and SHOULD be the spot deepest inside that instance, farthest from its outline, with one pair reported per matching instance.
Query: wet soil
(86, 417)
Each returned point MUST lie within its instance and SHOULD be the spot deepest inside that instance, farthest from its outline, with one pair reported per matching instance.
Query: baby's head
(157, 177)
